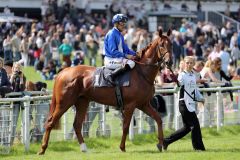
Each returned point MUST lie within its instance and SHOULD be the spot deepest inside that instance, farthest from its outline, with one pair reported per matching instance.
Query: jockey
(117, 54)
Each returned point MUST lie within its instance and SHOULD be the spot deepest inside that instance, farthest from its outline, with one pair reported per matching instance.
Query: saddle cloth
(101, 74)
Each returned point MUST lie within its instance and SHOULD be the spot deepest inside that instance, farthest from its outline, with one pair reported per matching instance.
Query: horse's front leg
(128, 112)
(153, 113)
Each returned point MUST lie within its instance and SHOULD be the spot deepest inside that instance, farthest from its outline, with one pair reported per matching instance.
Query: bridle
(157, 64)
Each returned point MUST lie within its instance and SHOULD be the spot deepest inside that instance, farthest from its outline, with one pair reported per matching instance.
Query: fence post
(26, 124)
(219, 109)
(176, 111)
(140, 122)
(11, 122)
(206, 16)
(204, 110)
(65, 126)
(131, 129)
(238, 106)
(102, 118)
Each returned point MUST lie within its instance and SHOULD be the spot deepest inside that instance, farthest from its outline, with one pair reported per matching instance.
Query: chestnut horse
(74, 86)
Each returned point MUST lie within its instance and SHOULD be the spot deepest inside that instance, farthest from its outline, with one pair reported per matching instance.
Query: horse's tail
(57, 125)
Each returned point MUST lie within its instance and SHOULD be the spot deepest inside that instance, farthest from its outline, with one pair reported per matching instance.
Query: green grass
(220, 146)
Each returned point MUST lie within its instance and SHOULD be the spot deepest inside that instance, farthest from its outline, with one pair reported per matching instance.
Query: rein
(175, 77)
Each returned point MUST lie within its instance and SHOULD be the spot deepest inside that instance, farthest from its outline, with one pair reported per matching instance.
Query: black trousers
(190, 123)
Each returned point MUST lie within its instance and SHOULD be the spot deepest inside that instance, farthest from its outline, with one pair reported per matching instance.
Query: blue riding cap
(119, 18)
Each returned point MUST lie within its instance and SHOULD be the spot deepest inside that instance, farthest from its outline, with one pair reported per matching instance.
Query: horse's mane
(143, 50)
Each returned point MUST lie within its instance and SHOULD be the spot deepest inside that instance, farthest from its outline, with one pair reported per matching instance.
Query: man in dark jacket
(5, 85)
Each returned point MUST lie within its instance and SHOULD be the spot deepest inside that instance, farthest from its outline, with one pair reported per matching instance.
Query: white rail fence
(218, 110)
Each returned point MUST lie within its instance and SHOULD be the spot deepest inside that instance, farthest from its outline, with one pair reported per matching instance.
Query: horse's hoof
(40, 153)
(83, 147)
(159, 146)
(123, 149)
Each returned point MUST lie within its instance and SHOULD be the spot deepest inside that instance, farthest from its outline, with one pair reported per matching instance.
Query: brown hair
(216, 62)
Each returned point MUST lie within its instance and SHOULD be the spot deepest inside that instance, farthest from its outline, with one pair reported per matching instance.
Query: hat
(119, 18)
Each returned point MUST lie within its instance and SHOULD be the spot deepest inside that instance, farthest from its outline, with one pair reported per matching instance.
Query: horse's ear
(160, 32)
(169, 32)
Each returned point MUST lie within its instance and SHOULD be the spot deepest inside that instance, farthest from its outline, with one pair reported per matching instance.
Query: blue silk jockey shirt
(114, 45)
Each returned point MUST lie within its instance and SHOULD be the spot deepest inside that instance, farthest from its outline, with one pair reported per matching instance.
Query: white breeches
(114, 63)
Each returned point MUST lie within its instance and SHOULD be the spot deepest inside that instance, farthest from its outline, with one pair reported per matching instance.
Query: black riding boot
(119, 71)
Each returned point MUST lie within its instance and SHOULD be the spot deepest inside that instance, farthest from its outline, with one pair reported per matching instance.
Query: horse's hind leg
(128, 112)
(46, 136)
(52, 120)
(152, 113)
(81, 110)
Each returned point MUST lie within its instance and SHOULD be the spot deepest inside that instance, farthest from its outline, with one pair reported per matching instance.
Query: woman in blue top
(117, 54)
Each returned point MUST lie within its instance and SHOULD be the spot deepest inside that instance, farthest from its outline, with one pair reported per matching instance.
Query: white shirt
(213, 55)
(225, 58)
(188, 80)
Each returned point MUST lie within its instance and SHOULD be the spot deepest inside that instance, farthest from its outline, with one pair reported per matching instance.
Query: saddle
(101, 80)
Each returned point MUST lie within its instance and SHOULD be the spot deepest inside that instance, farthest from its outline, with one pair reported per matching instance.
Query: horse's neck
(147, 61)
(149, 72)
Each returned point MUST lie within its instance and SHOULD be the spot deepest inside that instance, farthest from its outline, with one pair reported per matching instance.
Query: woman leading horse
(74, 86)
